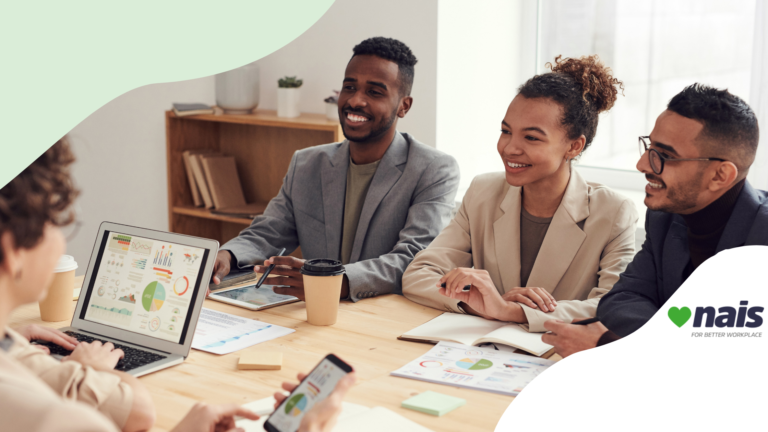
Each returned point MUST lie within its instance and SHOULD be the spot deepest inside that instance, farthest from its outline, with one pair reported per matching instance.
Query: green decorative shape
(64, 60)
(482, 364)
(679, 316)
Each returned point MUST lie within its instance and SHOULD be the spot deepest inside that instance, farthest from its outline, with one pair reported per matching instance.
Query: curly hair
(394, 51)
(730, 125)
(40, 194)
(583, 87)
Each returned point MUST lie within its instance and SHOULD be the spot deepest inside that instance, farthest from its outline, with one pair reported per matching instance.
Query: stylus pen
(586, 321)
(466, 287)
(269, 269)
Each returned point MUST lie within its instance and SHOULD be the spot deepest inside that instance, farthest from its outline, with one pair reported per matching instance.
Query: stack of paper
(223, 333)
(477, 368)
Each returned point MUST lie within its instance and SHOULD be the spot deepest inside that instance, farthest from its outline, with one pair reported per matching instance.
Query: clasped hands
(483, 299)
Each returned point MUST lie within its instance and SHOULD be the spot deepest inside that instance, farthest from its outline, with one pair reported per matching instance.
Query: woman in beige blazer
(77, 394)
(577, 237)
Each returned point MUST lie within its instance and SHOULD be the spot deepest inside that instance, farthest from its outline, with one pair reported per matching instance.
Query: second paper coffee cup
(58, 304)
(322, 290)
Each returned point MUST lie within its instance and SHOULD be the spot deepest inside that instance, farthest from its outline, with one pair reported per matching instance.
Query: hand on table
(483, 297)
(221, 268)
(569, 338)
(322, 417)
(534, 297)
(213, 418)
(35, 332)
(102, 357)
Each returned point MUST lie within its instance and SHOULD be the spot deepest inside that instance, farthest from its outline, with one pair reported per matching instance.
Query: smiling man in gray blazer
(372, 201)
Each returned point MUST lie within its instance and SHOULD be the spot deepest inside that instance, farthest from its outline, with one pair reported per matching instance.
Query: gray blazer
(409, 202)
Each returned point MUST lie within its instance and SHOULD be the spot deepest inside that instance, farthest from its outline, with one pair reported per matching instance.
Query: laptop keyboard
(134, 358)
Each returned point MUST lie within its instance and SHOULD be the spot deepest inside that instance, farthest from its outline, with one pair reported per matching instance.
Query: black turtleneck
(706, 226)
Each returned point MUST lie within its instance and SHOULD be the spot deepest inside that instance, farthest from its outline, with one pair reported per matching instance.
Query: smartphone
(315, 387)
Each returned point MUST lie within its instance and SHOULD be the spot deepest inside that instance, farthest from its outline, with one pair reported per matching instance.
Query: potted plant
(288, 96)
(332, 106)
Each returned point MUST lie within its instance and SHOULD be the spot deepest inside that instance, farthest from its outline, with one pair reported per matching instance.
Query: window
(656, 48)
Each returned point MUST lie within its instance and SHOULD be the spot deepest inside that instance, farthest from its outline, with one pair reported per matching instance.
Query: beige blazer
(29, 404)
(589, 243)
(72, 381)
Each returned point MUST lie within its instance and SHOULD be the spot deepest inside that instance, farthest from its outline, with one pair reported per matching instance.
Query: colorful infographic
(153, 297)
(135, 268)
(493, 370)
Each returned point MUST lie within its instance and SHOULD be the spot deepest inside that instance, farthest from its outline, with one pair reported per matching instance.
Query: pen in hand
(466, 287)
(586, 321)
(269, 269)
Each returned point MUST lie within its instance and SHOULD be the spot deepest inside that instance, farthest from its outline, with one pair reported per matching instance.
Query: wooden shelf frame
(262, 145)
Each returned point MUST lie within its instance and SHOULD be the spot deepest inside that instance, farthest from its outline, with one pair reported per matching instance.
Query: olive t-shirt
(532, 232)
(358, 180)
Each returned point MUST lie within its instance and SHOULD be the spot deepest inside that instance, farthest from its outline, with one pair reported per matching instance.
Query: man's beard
(375, 133)
(683, 197)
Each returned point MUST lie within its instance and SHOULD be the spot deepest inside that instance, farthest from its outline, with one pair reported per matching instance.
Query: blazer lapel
(506, 236)
(387, 174)
(564, 236)
(334, 181)
(737, 229)
(675, 255)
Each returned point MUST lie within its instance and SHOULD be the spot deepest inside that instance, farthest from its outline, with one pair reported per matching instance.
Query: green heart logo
(679, 316)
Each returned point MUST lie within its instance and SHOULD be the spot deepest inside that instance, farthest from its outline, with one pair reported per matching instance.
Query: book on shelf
(195, 160)
(188, 109)
(223, 181)
(473, 330)
(193, 186)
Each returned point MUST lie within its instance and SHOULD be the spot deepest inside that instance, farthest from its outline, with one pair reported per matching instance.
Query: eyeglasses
(658, 160)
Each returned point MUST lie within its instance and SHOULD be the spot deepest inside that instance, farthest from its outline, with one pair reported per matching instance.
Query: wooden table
(364, 336)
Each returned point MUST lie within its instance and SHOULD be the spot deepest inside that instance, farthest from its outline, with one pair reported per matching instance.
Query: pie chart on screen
(153, 297)
(296, 405)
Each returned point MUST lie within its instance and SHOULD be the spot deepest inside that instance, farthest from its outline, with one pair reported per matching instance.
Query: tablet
(252, 298)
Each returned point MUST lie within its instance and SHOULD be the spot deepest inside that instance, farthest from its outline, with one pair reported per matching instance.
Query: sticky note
(433, 403)
(261, 360)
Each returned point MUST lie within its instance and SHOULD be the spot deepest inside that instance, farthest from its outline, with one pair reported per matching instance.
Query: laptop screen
(144, 286)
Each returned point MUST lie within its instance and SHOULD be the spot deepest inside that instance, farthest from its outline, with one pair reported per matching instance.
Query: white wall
(320, 55)
(120, 149)
(485, 50)
(121, 166)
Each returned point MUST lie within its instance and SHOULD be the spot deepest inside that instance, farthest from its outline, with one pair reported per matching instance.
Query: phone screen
(315, 387)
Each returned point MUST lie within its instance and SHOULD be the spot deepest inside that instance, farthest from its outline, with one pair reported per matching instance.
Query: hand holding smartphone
(312, 390)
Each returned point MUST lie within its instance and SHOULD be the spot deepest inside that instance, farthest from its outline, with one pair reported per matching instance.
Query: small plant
(289, 82)
(333, 98)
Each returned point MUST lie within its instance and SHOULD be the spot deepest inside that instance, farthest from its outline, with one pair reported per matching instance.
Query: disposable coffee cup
(322, 289)
(58, 304)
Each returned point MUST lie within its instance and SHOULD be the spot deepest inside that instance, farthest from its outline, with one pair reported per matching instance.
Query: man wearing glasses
(699, 203)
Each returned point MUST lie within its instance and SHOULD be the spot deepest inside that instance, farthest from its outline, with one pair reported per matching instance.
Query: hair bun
(593, 76)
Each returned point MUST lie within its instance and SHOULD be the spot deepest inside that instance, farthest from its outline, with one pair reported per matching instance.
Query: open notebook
(473, 330)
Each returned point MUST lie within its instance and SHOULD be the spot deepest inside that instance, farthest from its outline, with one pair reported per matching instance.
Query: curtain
(758, 95)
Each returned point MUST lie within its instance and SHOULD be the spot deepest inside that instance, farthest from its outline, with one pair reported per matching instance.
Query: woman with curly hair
(536, 242)
(84, 392)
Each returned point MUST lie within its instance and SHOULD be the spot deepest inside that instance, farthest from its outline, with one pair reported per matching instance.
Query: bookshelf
(262, 144)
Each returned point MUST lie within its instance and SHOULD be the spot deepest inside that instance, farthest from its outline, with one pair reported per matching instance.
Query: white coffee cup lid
(66, 263)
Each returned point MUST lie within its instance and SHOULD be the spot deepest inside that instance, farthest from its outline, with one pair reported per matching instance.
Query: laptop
(143, 291)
